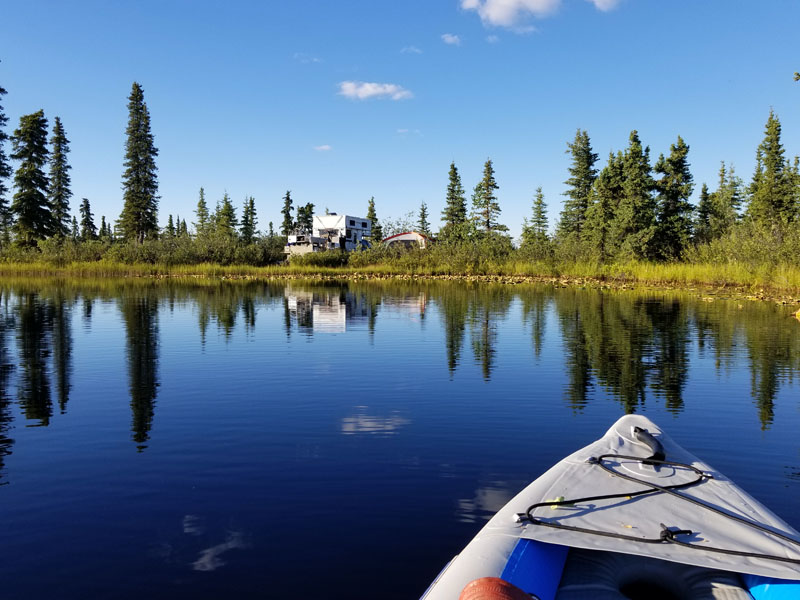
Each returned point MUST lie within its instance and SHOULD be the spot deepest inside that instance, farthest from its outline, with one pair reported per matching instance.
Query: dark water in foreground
(310, 441)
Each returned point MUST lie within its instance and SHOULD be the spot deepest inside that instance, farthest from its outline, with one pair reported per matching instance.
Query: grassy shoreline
(779, 282)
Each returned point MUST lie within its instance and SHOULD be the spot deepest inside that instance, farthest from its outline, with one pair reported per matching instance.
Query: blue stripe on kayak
(767, 588)
(536, 567)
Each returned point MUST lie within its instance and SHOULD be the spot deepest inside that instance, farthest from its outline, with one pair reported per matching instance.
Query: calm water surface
(344, 441)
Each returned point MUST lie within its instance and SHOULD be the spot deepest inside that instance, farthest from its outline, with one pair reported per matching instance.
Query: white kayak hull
(527, 551)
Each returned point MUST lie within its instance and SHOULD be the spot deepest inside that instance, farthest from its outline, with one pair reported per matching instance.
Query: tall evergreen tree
(105, 232)
(702, 225)
(225, 220)
(75, 233)
(249, 221)
(534, 232)
(305, 218)
(485, 208)
(580, 183)
(5, 173)
(455, 208)
(139, 181)
(201, 226)
(539, 217)
(88, 230)
(725, 203)
(771, 200)
(635, 215)
(169, 230)
(287, 225)
(59, 193)
(29, 204)
(606, 195)
(423, 226)
(674, 229)
(377, 230)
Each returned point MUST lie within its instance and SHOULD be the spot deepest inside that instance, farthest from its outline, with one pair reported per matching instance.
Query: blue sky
(255, 98)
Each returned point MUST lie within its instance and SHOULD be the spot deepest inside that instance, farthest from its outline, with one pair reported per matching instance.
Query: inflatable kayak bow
(631, 516)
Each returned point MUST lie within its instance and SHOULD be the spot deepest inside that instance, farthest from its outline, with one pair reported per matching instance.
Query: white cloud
(323, 148)
(605, 5)
(402, 131)
(510, 13)
(305, 59)
(451, 38)
(514, 13)
(492, 39)
(362, 90)
(412, 50)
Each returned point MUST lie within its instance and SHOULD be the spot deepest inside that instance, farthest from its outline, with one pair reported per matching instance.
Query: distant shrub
(329, 258)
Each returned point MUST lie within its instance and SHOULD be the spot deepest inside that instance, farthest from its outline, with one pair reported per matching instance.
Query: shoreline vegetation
(629, 222)
(780, 284)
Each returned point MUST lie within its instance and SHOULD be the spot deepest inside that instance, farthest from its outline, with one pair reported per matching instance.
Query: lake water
(304, 440)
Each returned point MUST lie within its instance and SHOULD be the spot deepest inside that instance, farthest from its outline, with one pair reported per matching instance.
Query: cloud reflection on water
(485, 503)
(361, 423)
(210, 559)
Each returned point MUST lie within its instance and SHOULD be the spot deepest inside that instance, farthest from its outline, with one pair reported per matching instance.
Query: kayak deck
(717, 531)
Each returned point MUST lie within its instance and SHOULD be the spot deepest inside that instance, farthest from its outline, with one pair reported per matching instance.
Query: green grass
(785, 278)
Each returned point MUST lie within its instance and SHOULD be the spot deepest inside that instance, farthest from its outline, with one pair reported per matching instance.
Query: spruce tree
(539, 217)
(377, 230)
(702, 225)
(455, 208)
(635, 215)
(105, 233)
(225, 220)
(534, 232)
(183, 230)
(485, 208)
(201, 226)
(169, 230)
(771, 200)
(29, 204)
(580, 183)
(305, 218)
(59, 193)
(5, 173)
(88, 230)
(674, 229)
(249, 221)
(75, 233)
(423, 226)
(287, 226)
(139, 181)
(725, 203)
(604, 200)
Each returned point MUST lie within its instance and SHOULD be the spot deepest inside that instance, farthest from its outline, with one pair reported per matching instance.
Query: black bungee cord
(667, 534)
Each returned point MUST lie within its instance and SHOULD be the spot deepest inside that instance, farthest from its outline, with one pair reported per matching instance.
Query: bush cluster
(167, 250)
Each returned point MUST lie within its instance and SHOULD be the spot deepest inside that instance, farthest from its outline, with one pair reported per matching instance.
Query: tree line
(630, 209)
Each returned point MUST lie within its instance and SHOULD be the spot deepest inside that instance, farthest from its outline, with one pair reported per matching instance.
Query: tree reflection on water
(629, 346)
